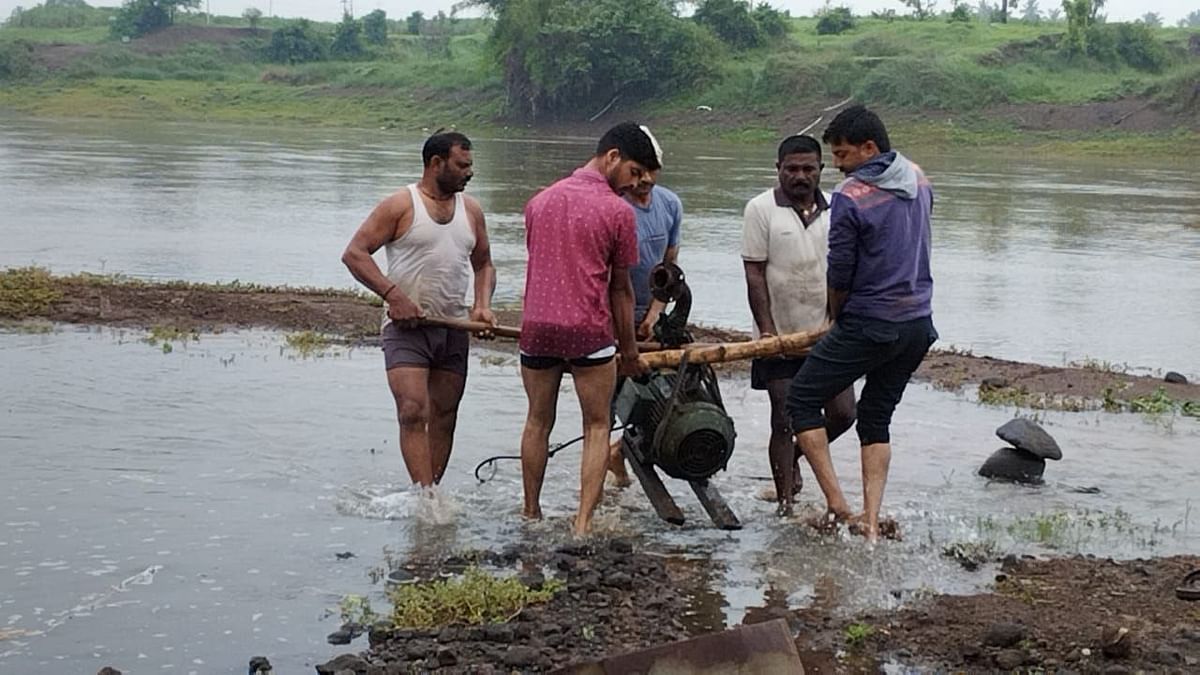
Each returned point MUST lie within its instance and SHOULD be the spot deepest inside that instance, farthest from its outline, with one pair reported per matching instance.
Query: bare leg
(839, 414)
(445, 392)
(594, 387)
(876, 458)
(541, 389)
(815, 445)
(409, 385)
(781, 449)
(616, 465)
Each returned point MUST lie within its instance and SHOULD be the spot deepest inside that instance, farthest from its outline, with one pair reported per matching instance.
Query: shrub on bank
(942, 84)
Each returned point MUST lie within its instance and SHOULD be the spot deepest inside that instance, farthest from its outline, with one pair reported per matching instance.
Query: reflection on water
(1047, 258)
(186, 509)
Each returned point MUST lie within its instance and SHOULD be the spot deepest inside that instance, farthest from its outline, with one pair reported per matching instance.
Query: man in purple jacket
(880, 290)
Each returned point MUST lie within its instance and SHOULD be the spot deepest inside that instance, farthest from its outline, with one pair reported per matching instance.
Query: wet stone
(259, 665)
(343, 662)
(450, 634)
(1027, 435)
(341, 636)
(565, 562)
(446, 657)
(109, 670)
(1010, 659)
(1004, 634)
(620, 546)
(1175, 378)
(498, 632)
(1167, 656)
(1013, 465)
(619, 580)
(418, 649)
(534, 580)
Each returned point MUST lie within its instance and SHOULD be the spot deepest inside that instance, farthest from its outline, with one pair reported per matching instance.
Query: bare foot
(582, 526)
(828, 521)
(616, 466)
(532, 514)
(784, 509)
(887, 528)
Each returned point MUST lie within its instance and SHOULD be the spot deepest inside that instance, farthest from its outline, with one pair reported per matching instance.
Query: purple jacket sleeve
(843, 242)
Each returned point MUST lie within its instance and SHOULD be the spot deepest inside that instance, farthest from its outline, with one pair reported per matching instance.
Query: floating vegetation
(356, 609)
(26, 292)
(474, 598)
(1019, 397)
(972, 554)
(163, 337)
(309, 343)
(1071, 530)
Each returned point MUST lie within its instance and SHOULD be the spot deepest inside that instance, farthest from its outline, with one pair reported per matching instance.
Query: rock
(341, 636)
(259, 665)
(993, 383)
(1004, 634)
(345, 555)
(109, 670)
(498, 632)
(586, 582)
(1167, 656)
(1013, 465)
(534, 579)
(415, 650)
(449, 634)
(1029, 436)
(565, 562)
(380, 632)
(351, 662)
(446, 657)
(1117, 670)
(619, 580)
(521, 657)
(401, 577)
(1175, 378)
(1010, 659)
(1189, 634)
(620, 546)
(1116, 642)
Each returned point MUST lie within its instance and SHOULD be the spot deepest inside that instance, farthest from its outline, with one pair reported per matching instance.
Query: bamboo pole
(506, 331)
(792, 344)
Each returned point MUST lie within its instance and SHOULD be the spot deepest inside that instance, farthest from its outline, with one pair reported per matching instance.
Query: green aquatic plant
(308, 343)
(164, 337)
(357, 609)
(476, 597)
(26, 292)
(857, 634)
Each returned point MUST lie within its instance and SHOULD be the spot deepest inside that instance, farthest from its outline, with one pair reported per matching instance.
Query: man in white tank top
(434, 238)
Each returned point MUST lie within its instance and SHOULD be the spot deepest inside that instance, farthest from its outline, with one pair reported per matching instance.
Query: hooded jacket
(879, 240)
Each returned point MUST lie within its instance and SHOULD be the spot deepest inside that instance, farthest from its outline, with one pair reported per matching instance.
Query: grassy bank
(944, 84)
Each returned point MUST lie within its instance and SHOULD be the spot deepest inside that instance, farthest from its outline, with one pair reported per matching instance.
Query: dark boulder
(1175, 378)
(1029, 436)
(1014, 465)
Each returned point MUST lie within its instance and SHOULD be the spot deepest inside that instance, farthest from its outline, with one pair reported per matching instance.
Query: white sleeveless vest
(431, 262)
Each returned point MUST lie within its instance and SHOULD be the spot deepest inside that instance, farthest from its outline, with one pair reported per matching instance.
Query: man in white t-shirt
(785, 241)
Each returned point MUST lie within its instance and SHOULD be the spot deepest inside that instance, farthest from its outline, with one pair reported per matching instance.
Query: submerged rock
(1029, 436)
(351, 662)
(1175, 378)
(1015, 465)
(259, 665)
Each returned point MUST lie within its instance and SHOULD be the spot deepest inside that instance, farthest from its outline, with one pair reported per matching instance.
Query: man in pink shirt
(582, 239)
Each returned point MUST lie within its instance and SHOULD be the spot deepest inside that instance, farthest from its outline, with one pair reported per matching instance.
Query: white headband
(654, 142)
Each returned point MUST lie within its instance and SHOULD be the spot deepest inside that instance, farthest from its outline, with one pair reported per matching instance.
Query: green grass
(26, 292)
(857, 634)
(475, 598)
(86, 35)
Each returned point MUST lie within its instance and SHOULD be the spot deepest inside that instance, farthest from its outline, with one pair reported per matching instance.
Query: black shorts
(767, 370)
(548, 362)
(429, 347)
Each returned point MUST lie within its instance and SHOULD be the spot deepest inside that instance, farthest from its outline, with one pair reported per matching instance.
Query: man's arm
(621, 299)
(481, 262)
(843, 252)
(381, 227)
(760, 297)
(656, 306)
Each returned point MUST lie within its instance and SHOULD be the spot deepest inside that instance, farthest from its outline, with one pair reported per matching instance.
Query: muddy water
(182, 512)
(1036, 258)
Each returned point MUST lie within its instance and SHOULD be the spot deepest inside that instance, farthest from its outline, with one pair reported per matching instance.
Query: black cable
(553, 451)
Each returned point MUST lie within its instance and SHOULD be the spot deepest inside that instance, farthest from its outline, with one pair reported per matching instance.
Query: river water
(182, 511)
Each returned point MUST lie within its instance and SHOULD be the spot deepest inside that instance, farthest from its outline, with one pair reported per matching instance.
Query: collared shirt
(796, 255)
(576, 231)
(658, 226)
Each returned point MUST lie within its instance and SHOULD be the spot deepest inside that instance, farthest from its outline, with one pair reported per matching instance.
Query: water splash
(430, 506)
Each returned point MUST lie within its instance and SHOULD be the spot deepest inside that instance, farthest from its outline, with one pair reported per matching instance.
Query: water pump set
(674, 418)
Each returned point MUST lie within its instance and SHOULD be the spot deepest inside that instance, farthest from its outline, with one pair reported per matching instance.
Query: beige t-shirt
(796, 258)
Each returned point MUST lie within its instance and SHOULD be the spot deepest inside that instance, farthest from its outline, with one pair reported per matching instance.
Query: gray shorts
(426, 347)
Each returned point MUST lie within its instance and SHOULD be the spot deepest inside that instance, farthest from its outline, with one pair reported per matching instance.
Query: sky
(1117, 10)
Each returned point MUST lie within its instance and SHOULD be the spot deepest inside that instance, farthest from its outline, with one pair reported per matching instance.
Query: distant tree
(1054, 15)
(922, 9)
(1192, 20)
(375, 27)
(985, 12)
(731, 21)
(347, 39)
(138, 17)
(1152, 19)
(772, 22)
(1094, 15)
(960, 14)
(295, 43)
(252, 15)
(1032, 13)
(414, 22)
(1079, 13)
(835, 20)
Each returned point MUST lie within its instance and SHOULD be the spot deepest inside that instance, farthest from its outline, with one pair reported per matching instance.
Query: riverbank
(1080, 613)
(317, 316)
